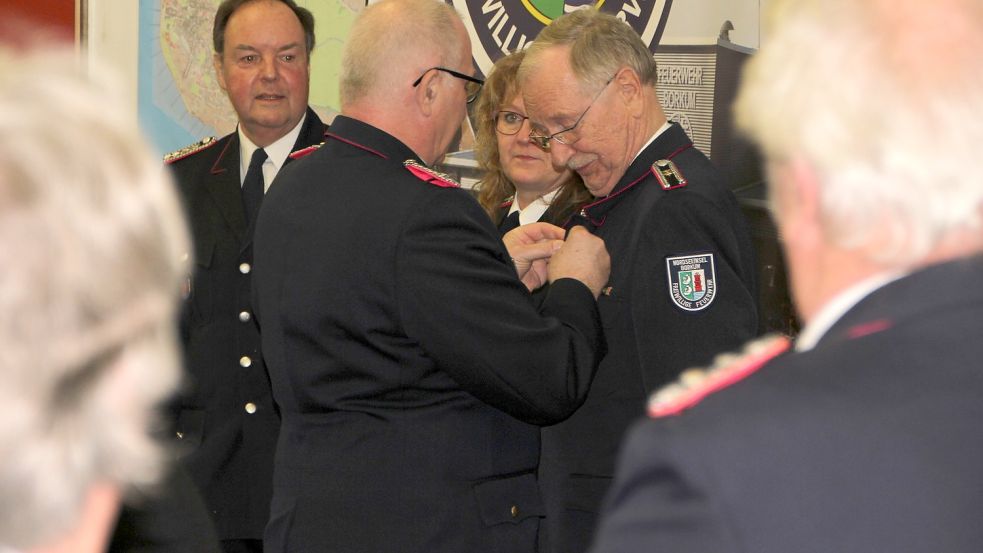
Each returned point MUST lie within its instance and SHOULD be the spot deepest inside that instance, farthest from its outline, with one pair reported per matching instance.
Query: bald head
(392, 41)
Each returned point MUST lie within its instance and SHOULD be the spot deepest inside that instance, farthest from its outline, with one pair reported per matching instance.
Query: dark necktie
(509, 222)
(253, 186)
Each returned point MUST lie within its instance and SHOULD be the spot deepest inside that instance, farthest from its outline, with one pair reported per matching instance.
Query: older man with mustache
(682, 284)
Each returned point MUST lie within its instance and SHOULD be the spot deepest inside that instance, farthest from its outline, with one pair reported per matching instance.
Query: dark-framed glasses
(472, 88)
(539, 136)
(509, 122)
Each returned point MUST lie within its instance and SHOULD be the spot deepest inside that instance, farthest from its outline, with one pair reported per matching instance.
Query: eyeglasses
(472, 88)
(509, 122)
(538, 134)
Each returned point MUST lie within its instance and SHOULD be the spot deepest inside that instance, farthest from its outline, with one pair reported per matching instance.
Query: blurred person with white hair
(864, 434)
(91, 241)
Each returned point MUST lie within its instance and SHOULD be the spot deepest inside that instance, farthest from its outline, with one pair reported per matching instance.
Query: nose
(269, 69)
(560, 153)
(525, 129)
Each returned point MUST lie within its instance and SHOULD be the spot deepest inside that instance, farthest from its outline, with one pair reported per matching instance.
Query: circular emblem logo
(500, 27)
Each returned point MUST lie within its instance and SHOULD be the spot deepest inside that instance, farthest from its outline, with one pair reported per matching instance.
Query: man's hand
(582, 257)
(530, 247)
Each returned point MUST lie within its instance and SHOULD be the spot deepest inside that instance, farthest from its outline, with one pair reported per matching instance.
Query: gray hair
(396, 34)
(91, 241)
(883, 99)
(600, 44)
(227, 8)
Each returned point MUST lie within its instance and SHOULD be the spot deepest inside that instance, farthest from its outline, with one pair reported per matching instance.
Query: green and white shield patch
(692, 282)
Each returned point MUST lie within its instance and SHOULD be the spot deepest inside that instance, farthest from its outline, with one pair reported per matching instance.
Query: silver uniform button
(245, 361)
(250, 408)
(244, 316)
(244, 268)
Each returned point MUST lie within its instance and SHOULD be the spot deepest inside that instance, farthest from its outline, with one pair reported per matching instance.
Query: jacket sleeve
(660, 499)
(458, 295)
(670, 338)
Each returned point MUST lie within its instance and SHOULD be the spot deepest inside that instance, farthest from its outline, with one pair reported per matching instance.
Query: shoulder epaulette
(202, 144)
(427, 174)
(695, 384)
(305, 151)
(668, 174)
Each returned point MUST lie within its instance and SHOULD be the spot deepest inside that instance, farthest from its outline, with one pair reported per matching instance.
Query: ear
(217, 64)
(427, 93)
(796, 201)
(629, 89)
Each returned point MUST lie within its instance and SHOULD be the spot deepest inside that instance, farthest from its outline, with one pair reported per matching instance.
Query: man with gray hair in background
(225, 420)
(411, 365)
(682, 285)
(865, 434)
(91, 241)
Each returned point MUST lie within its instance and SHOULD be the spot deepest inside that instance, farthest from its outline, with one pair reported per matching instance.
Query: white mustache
(578, 161)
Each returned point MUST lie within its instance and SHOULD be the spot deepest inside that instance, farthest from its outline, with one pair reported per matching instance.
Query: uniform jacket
(226, 419)
(868, 442)
(410, 364)
(651, 339)
(553, 214)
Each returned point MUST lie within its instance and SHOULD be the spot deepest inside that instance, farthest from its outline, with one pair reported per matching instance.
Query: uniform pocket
(509, 500)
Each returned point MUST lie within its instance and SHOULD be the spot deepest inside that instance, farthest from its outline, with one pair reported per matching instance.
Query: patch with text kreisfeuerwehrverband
(692, 285)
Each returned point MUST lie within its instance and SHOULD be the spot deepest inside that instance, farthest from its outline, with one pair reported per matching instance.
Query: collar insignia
(202, 144)
(668, 175)
(304, 151)
(427, 174)
(728, 369)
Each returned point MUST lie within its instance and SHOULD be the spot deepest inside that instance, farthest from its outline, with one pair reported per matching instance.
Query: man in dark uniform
(411, 365)
(866, 437)
(682, 282)
(227, 420)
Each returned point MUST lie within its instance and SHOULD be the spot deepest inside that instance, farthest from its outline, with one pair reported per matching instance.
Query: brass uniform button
(250, 408)
(245, 361)
(514, 511)
(244, 268)
(244, 316)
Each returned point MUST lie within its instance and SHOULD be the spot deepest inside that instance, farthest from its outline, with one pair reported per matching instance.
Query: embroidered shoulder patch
(305, 151)
(427, 174)
(692, 281)
(202, 144)
(668, 174)
(729, 368)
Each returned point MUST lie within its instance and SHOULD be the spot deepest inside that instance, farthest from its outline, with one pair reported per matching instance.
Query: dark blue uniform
(661, 233)
(226, 419)
(553, 215)
(409, 362)
(870, 441)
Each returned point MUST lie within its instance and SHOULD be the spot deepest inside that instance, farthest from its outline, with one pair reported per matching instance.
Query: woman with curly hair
(520, 185)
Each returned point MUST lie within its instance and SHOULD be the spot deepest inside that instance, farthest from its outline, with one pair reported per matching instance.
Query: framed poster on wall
(62, 18)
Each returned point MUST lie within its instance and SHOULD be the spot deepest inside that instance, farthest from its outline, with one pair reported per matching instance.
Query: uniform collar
(276, 153)
(665, 126)
(534, 211)
(837, 307)
(371, 139)
(667, 142)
